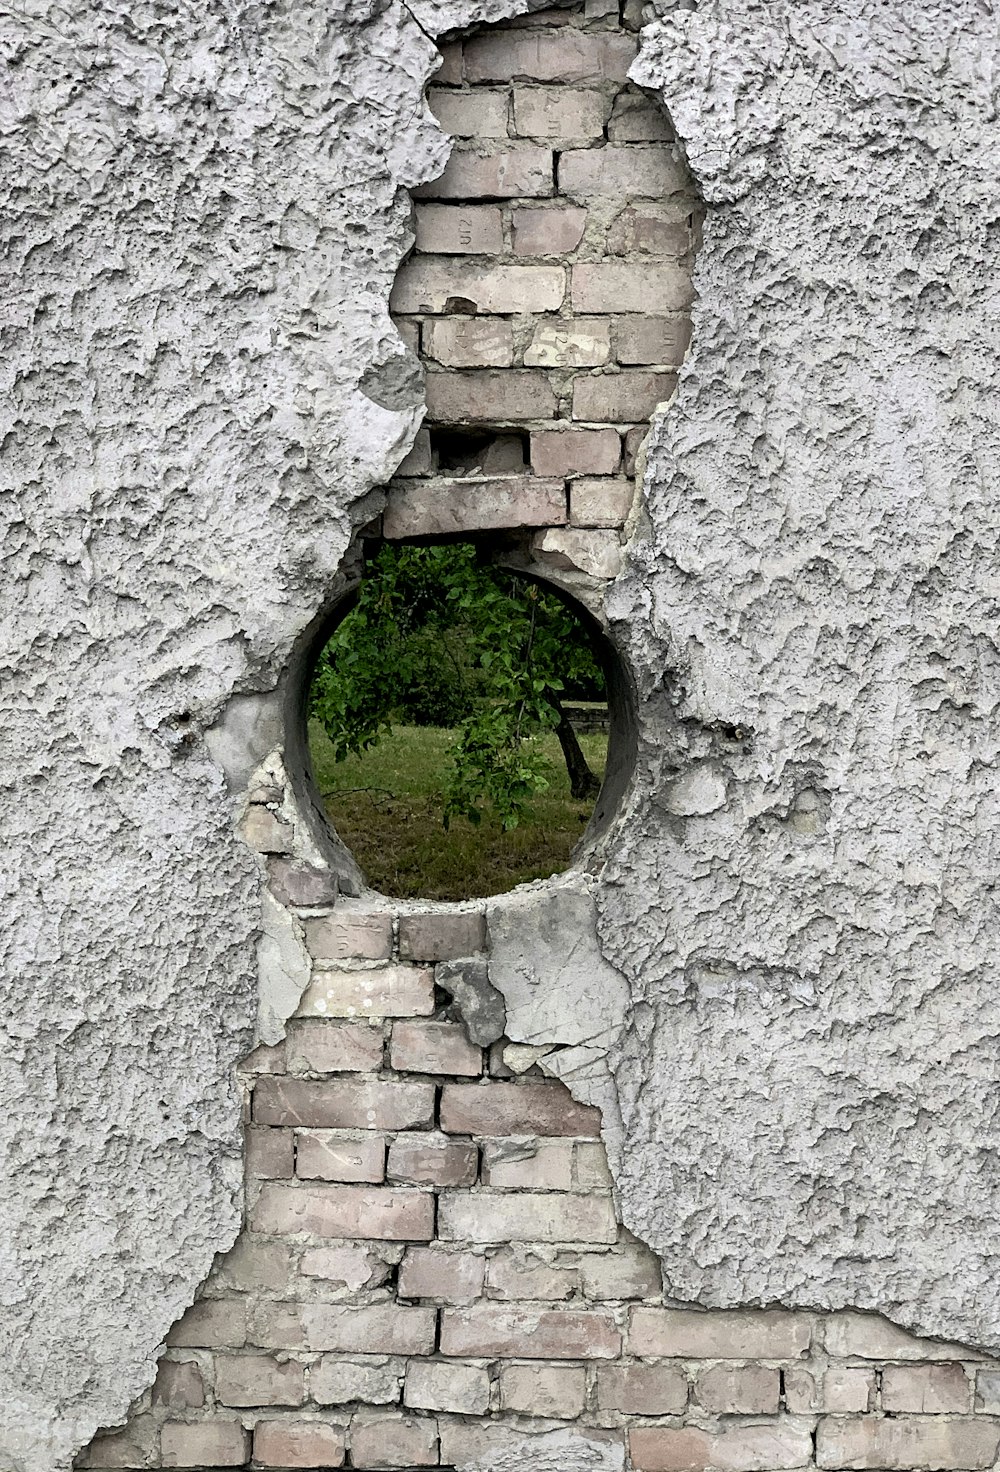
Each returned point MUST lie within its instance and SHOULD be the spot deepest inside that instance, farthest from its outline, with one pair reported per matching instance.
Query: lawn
(386, 806)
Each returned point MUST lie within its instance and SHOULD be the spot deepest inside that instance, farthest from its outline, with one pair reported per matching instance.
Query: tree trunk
(582, 782)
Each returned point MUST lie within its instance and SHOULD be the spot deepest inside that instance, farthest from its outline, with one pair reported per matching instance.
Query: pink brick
(441, 935)
(630, 169)
(649, 287)
(441, 507)
(543, 1390)
(345, 1104)
(383, 1328)
(564, 452)
(732, 1334)
(529, 1333)
(270, 1154)
(621, 397)
(393, 1440)
(751, 1448)
(211, 1323)
(434, 1272)
(642, 1390)
(386, 991)
(937, 1389)
(489, 396)
(469, 342)
(432, 1160)
(562, 56)
(652, 230)
(348, 1265)
(516, 1273)
(296, 1444)
(129, 1448)
(216, 1443)
(907, 1442)
(319, 1045)
(459, 229)
(426, 284)
(559, 113)
(383, 1213)
(178, 1385)
(258, 1380)
(504, 171)
(605, 502)
(350, 935)
(653, 339)
(516, 1109)
(726, 1390)
(556, 231)
(478, 114)
(541, 1165)
(325, 1156)
(434, 1047)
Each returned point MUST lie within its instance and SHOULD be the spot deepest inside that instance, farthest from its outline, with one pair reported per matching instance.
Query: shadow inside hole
(465, 723)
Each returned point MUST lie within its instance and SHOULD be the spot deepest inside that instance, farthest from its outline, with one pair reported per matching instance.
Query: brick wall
(432, 1271)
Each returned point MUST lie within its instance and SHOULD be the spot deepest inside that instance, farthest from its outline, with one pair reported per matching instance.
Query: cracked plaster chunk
(479, 1004)
(283, 969)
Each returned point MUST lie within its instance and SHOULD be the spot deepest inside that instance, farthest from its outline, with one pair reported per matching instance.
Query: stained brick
(600, 502)
(216, 1443)
(528, 1216)
(575, 451)
(350, 935)
(489, 396)
(504, 171)
(324, 1156)
(434, 1047)
(431, 1159)
(652, 230)
(444, 1385)
(469, 342)
(478, 114)
(296, 883)
(565, 56)
(930, 1388)
(907, 1442)
(633, 1272)
(738, 1335)
(652, 340)
(383, 1213)
(631, 170)
(441, 935)
(297, 1444)
(561, 113)
(258, 1380)
(211, 1323)
(441, 507)
(569, 342)
(516, 1109)
(384, 1328)
(319, 1045)
(621, 397)
(345, 1104)
(752, 1448)
(387, 991)
(726, 1390)
(270, 1154)
(515, 1273)
(513, 1164)
(642, 1390)
(178, 1385)
(345, 1266)
(425, 284)
(529, 1333)
(371, 1379)
(628, 286)
(556, 231)
(543, 1390)
(434, 1272)
(393, 1440)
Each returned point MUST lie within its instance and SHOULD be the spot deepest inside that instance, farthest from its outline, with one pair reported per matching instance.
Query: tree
(438, 637)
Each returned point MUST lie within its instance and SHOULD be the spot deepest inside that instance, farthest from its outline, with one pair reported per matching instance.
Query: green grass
(393, 824)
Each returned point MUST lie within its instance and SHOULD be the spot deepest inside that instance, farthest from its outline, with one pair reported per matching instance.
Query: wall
(795, 911)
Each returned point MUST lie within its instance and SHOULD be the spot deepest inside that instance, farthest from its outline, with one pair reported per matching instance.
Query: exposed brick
(596, 553)
(178, 1385)
(409, 333)
(530, 1216)
(383, 1328)
(344, 1104)
(350, 935)
(561, 113)
(846, 1388)
(442, 935)
(216, 1443)
(543, 1390)
(258, 1380)
(590, 1166)
(569, 342)
(323, 1156)
(633, 393)
(469, 342)
(432, 1159)
(631, 1272)
(270, 1154)
(264, 831)
(253, 1265)
(305, 885)
(419, 461)
(515, 1273)
(529, 1333)
(265, 1059)
(556, 231)
(130, 1448)
(635, 440)
(443, 1385)
(658, 230)
(642, 1390)
(636, 118)
(987, 1392)
(211, 1323)
(514, 1164)
(441, 286)
(374, 1380)
(516, 1109)
(388, 991)
(434, 1272)
(459, 229)
(753, 1448)
(480, 1443)
(489, 395)
(434, 1047)
(393, 1440)
(575, 451)
(441, 507)
(289, 1443)
(322, 1045)
(907, 1442)
(565, 56)
(384, 1213)
(630, 169)
(652, 340)
(605, 502)
(735, 1335)
(478, 114)
(868, 1337)
(726, 1390)
(930, 1388)
(451, 71)
(628, 286)
(503, 171)
(345, 1266)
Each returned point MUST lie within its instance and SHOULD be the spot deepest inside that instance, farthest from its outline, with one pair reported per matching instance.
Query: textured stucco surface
(205, 207)
(803, 894)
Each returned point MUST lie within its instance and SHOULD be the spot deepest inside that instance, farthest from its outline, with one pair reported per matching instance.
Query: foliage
(438, 637)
